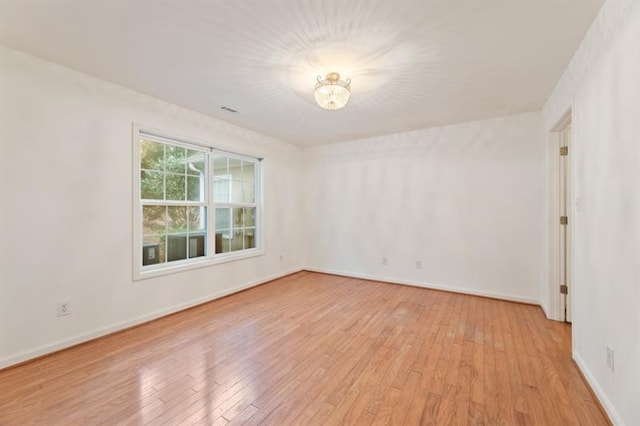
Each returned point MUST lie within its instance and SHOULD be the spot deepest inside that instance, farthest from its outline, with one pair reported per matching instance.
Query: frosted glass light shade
(332, 93)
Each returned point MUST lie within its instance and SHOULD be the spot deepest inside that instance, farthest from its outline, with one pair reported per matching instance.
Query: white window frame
(141, 272)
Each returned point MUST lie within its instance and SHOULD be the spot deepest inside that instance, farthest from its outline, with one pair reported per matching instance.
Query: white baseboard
(462, 290)
(103, 331)
(614, 417)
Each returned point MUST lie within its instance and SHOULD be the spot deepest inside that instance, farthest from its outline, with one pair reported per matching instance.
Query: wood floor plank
(407, 395)
(315, 349)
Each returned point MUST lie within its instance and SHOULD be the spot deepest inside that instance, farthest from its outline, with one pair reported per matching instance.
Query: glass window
(176, 207)
(234, 189)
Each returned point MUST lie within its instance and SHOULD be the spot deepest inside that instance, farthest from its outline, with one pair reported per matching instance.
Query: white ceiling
(414, 64)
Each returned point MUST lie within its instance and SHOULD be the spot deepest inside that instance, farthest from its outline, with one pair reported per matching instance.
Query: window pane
(151, 155)
(248, 181)
(175, 187)
(176, 247)
(249, 216)
(221, 189)
(177, 219)
(235, 170)
(153, 249)
(222, 240)
(177, 238)
(249, 238)
(197, 220)
(195, 188)
(248, 192)
(151, 185)
(235, 167)
(220, 166)
(197, 244)
(174, 158)
(154, 220)
(237, 240)
(223, 231)
(223, 218)
(195, 162)
(238, 218)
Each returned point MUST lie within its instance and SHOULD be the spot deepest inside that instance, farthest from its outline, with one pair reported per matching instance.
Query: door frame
(557, 300)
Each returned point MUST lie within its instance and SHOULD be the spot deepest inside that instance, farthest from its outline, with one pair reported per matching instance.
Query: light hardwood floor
(315, 349)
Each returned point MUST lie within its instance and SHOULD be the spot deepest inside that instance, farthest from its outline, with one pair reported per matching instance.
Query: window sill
(187, 265)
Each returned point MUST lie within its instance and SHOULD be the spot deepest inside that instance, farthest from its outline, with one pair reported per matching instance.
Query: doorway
(560, 237)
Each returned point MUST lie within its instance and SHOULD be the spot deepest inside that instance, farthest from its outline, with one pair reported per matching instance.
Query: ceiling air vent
(228, 109)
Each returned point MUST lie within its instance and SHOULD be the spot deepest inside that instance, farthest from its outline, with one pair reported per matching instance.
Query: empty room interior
(320, 212)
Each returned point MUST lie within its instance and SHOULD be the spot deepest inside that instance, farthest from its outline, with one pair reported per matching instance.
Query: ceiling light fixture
(332, 93)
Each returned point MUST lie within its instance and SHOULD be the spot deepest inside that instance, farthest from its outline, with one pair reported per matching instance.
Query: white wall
(468, 200)
(602, 86)
(66, 195)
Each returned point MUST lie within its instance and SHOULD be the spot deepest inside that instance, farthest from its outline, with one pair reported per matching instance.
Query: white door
(565, 222)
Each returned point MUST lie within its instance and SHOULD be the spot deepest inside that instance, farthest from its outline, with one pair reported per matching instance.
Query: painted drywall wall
(602, 86)
(66, 190)
(468, 201)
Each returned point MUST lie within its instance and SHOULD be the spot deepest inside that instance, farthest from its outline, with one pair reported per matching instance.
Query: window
(235, 203)
(195, 205)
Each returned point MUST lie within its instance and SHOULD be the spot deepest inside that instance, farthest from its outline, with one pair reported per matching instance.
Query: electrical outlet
(610, 358)
(281, 258)
(384, 261)
(418, 264)
(64, 308)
